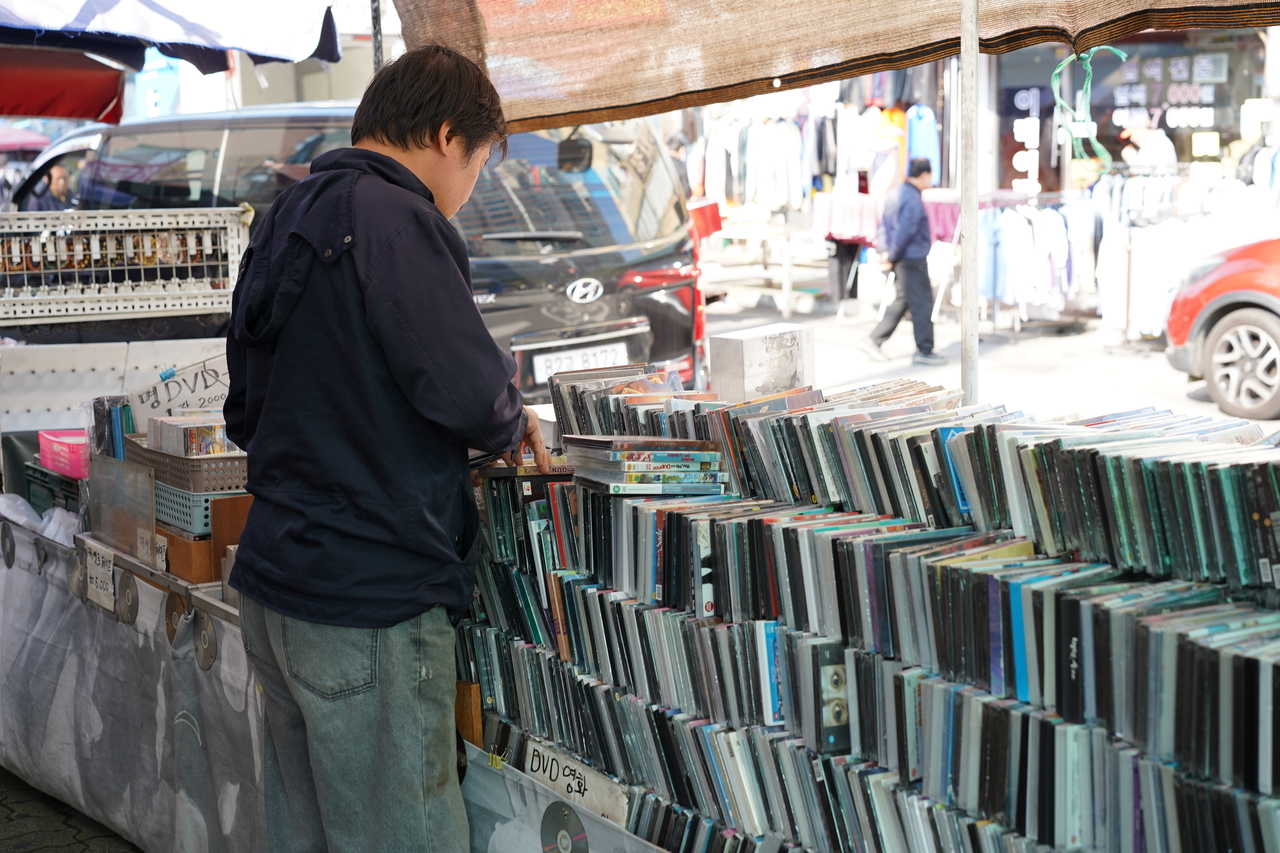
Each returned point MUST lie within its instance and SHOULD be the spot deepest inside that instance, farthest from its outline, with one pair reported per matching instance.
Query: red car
(1224, 327)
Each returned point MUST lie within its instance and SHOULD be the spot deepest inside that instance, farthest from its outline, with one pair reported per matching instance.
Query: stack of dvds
(639, 465)
(629, 400)
(907, 626)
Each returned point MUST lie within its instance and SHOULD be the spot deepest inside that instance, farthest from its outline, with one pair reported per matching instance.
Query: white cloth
(287, 29)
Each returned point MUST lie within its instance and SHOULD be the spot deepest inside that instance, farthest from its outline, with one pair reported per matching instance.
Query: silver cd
(562, 830)
(77, 576)
(8, 545)
(206, 637)
(127, 598)
(175, 607)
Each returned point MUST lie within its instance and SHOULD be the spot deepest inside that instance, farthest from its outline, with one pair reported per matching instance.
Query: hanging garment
(944, 217)
(893, 126)
(923, 139)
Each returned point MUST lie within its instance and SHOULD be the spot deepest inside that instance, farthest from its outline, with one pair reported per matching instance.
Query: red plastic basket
(65, 451)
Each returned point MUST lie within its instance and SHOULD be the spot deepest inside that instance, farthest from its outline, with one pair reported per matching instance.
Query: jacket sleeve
(910, 211)
(418, 305)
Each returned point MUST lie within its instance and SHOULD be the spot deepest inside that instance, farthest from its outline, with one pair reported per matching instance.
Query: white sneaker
(872, 349)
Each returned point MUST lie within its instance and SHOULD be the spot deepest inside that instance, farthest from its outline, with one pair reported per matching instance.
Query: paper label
(100, 574)
(576, 782)
(145, 548)
(201, 386)
(162, 553)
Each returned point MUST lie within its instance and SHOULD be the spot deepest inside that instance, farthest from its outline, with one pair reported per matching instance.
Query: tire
(1242, 364)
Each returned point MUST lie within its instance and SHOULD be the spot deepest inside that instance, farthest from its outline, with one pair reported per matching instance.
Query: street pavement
(1044, 373)
(32, 822)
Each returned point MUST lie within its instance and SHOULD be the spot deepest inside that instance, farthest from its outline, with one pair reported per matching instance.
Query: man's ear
(440, 140)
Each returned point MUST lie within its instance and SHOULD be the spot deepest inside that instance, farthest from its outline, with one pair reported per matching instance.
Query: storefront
(1176, 99)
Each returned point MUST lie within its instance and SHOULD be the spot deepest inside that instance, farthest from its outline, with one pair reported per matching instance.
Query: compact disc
(175, 607)
(8, 544)
(206, 638)
(127, 598)
(77, 576)
(562, 830)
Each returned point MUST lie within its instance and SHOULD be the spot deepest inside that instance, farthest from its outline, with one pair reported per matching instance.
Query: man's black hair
(919, 166)
(411, 97)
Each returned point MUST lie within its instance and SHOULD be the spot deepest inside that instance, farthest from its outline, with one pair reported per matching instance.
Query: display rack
(84, 265)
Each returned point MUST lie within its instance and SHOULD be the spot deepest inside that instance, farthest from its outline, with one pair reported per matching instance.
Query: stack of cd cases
(906, 625)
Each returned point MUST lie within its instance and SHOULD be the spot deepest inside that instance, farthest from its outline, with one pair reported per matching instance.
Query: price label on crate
(100, 574)
(200, 386)
(162, 553)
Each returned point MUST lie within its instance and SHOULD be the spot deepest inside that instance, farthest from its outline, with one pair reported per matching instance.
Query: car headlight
(1200, 270)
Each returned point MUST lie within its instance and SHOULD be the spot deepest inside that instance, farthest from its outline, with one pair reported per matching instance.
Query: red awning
(21, 139)
(59, 84)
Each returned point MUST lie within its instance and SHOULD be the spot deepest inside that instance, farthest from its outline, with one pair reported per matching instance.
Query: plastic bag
(16, 509)
(60, 525)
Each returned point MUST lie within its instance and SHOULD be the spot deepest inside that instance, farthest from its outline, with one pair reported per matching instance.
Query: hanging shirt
(893, 126)
(923, 139)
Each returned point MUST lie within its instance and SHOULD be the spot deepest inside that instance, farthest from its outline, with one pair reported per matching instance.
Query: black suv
(581, 254)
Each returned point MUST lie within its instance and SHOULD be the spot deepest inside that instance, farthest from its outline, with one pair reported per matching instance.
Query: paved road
(1044, 374)
(32, 822)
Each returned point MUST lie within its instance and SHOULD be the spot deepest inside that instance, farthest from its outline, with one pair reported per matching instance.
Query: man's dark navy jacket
(361, 372)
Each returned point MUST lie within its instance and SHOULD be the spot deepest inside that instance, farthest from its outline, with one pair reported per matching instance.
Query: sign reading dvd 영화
(576, 782)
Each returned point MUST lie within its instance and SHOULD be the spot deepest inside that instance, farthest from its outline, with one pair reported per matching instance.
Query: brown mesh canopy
(563, 62)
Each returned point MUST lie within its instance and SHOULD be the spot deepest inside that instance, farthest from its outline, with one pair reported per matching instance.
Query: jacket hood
(311, 222)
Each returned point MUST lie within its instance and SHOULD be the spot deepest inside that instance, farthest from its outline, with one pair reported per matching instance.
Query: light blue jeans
(360, 747)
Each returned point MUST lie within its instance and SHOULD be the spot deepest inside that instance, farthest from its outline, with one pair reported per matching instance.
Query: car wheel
(1242, 364)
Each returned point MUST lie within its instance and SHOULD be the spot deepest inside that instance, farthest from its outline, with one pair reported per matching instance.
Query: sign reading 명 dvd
(576, 782)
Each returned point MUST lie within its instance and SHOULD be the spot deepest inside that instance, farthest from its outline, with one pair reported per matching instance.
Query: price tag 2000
(100, 575)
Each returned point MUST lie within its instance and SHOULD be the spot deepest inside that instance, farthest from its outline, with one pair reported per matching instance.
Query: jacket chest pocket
(330, 661)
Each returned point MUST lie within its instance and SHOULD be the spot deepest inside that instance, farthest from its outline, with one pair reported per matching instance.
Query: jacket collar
(371, 163)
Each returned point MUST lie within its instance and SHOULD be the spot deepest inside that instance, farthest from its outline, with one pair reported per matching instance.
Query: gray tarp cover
(115, 721)
(565, 62)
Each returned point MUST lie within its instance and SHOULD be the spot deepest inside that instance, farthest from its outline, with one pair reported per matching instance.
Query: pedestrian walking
(907, 241)
(360, 374)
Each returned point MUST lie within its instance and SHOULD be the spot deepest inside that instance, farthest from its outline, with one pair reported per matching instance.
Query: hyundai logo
(584, 290)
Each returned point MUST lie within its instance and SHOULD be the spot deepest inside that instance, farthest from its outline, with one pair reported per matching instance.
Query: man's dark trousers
(913, 290)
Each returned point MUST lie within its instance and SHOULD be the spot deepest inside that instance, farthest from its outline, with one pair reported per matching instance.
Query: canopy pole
(375, 7)
(969, 59)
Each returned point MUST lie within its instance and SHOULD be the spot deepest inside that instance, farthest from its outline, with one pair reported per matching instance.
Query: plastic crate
(65, 451)
(220, 472)
(188, 511)
(47, 489)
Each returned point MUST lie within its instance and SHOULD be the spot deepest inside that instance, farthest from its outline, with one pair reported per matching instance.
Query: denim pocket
(330, 661)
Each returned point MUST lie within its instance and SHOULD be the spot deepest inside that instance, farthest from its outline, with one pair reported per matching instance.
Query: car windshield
(581, 188)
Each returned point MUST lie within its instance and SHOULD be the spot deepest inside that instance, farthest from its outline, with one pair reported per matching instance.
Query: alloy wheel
(1246, 366)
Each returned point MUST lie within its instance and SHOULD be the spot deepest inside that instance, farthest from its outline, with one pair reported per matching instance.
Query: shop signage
(200, 386)
(576, 782)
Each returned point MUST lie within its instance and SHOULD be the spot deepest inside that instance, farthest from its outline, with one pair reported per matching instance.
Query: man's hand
(886, 266)
(534, 441)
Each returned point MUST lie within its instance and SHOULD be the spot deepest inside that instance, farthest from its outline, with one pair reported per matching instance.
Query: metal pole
(969, 200)
(1064, 161)
(375, 6)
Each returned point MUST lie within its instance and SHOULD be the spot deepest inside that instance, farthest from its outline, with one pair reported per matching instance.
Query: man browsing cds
(361, 371)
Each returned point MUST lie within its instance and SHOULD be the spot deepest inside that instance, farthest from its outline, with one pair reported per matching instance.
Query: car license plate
(605, 355)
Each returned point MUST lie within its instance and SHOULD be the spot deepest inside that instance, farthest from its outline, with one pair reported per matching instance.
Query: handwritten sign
(162, 553)
(200, 386)
(576, 782)
(100, 574)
